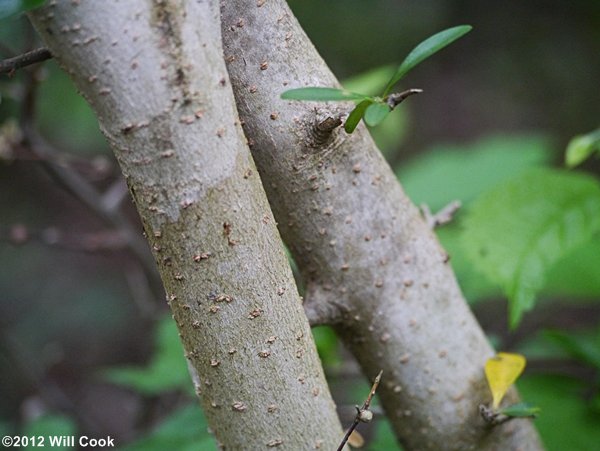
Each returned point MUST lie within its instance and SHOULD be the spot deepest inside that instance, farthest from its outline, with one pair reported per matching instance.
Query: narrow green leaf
(517, 231)
(371, 81)
(424, 50)
(376, 113)
(521, 409)
(581, 147)
(321, 94)
(11, 7)
(356, 115)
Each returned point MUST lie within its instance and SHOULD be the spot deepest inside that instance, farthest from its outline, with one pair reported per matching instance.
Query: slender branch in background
(98, 241)
(90, 196)
(8, 66)
(363, 413)
(31, 370)
(105, 205)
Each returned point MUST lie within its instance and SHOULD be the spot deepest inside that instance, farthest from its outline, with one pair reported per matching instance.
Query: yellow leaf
(501, 372)
(356, 440)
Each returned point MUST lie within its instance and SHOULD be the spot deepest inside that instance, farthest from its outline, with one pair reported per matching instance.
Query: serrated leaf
(376, 113)
(11, 7)
(581, 147)
(424, 50)
(321, 94)
(356, 115)
(501, 372)
(515, 232)
(520, 410)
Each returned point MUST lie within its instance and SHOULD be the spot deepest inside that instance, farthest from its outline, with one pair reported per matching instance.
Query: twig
(25, 59)
(444, 216)
(362, 413)
(89, 195)
(393, 100)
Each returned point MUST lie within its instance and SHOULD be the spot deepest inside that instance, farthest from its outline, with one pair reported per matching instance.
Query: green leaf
(321, 94)
(576, 275)
(448, 172)
(424, 50)
(521, 409)
(356, 115)
(167, 369)
(515, 232)
(371, 81)
(376, 113)
(184, 430)
(11, 7)
(581, 147)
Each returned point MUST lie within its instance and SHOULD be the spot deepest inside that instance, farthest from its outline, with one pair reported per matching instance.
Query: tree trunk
(153, 73)
(373, 268)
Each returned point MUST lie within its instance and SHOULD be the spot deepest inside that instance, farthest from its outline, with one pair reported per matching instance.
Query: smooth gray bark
(154, 74)
(373, 268)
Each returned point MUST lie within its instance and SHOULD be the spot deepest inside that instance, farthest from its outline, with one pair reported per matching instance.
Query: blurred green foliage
(516, 231)
(582, 347)
(582, 147)
(12, 7)
(49, 425)
(183, 430)
(75, 129)
(566, 421)
(166, 371)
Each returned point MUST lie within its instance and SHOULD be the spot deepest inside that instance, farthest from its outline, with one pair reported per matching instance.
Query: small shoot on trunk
(374, 109)
(502, 371)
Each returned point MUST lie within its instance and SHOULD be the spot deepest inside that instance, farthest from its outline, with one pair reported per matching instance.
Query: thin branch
(363, 413)
(393, 100)
(25, 59)
(443, 216)
(89, 195)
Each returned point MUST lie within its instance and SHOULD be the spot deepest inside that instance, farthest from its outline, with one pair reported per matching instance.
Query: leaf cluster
(374, 109)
